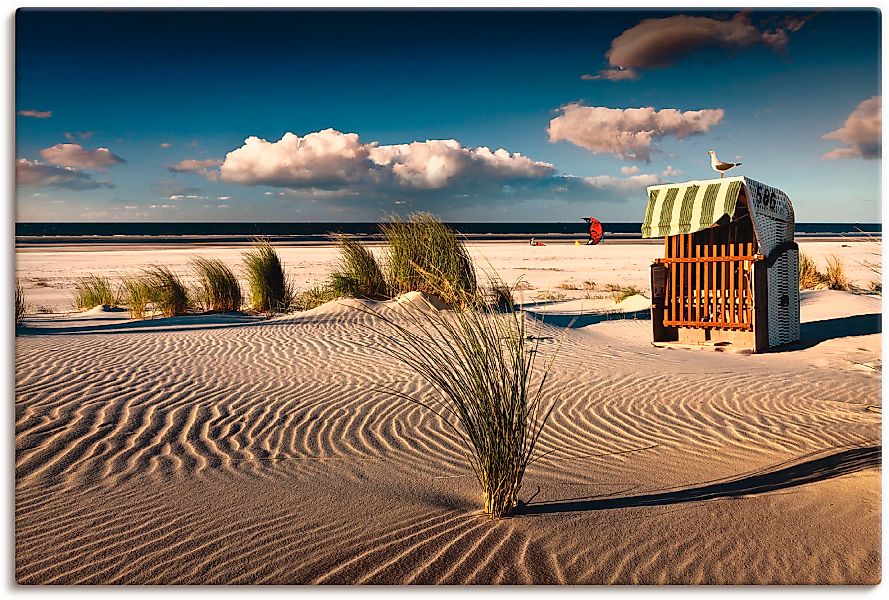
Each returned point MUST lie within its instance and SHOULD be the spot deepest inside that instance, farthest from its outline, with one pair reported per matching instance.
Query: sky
(523, 116)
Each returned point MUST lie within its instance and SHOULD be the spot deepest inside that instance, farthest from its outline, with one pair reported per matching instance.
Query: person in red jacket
(596, 231)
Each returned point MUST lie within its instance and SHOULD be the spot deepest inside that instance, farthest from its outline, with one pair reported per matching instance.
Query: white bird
(719, 166)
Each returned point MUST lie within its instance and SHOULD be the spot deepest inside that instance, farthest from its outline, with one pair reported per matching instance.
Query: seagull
(719, 166)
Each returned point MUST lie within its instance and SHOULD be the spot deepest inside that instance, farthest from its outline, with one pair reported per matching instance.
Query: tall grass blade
(166, 291)
(218, 288)
(92, 291)
(358, 274)
(269, 289)
(426, 255)
(20, 305)
(487, 388)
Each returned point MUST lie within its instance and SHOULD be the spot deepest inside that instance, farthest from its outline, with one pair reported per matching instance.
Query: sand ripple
(273, 452)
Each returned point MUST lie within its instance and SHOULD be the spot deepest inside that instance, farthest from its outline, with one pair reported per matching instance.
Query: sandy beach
(244, 449)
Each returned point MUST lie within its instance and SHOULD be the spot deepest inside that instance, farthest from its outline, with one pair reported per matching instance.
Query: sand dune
(233, 450)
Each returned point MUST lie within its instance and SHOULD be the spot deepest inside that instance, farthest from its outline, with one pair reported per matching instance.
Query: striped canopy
(687, 207)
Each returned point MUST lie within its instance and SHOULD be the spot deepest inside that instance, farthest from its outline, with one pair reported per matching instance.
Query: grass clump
(92, 291)
(315, 296)
(621, 293)
(425, 255)
(136, 294)
(809, 275)
(551, 296)
(269, 290)
(835, 275)
(500, 295)
(481, 365)
(218, 288)
(358, 274)
(166, 291)
(20, 305)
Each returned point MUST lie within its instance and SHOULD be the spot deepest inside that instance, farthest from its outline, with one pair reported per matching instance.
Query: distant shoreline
(83, 242)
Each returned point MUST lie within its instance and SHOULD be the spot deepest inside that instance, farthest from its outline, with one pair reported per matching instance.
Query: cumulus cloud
(861, 132)
(75, 155)
(35, 114)
(627, 132)
(633, 183)
(37, 174)
(207, 167)
(662, 42)
(330, 159)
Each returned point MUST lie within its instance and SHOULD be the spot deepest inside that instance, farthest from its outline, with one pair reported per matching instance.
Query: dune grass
(809, 275)
(835, 275)
(425, 255)
(500, 295)
(620, 293)
(269, 290)
(358, 274)
(217, 287)
(315, 296)
(20, 305)
(165, 291)
(92, 291)
(486, 385)
(136, 295)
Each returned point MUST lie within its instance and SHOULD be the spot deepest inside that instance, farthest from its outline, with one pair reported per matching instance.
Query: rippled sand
(235, 450)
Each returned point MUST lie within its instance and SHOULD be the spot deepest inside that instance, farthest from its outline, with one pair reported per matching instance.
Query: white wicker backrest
(772, 213)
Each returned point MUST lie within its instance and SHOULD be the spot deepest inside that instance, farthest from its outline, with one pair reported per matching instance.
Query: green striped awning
(688, 207)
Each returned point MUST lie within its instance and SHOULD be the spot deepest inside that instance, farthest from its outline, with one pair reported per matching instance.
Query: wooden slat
(673, 290)
(706, 289)
(720, 324)
(715, 313)
(697, 269)
(749, 285)
(723, 313)
(681, 313)
(729, 258)
(732, 267)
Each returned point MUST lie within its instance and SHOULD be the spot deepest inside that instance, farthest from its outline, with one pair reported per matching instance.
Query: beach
(244, 449)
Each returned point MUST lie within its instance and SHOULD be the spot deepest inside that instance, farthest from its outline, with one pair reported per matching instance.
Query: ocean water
(35, 233)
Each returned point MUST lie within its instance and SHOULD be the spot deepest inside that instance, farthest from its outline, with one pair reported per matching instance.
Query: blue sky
(172, 96)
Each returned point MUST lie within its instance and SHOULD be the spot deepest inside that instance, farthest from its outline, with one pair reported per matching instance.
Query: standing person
(596, 231)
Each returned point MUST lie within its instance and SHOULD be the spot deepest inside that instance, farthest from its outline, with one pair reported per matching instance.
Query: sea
(122, 233)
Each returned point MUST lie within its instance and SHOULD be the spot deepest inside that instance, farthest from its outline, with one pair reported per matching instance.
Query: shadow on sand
(574, 320)
(112, 323)
(815, 332)
(828, 467)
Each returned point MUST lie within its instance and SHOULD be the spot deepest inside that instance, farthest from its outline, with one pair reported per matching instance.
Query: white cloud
(186, 197)
(635, 182)
(627, 132)
(435, 164)
(165, 145)
(35, 114)
(206, 167)
(330, 159)
(37, 174)
(862, 132)
(671, 172)
(75, 155)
